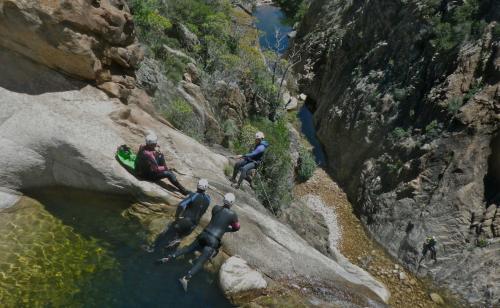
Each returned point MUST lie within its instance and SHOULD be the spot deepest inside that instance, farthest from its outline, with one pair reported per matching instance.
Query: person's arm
(259, 150)
(234, 226)
(183, 205)
(205, 205)
(153, 165)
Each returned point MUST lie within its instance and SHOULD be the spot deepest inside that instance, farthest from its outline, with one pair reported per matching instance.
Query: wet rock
(236, 276)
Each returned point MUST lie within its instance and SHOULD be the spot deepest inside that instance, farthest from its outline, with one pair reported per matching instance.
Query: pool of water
(269, 19)
(76, 249)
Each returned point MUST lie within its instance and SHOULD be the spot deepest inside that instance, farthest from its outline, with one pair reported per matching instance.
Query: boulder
(436, 298)
(237, 276)
(85, 38)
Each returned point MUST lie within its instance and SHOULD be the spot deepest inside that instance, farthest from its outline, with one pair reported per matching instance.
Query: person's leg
(206, 254)
(236, 168)
(195, 245)
(173, 179)
(244, 171)
(433, 253)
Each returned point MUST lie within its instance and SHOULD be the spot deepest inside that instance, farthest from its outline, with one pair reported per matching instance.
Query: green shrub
(463, 25)
(454, 104)
(474, 89)
(399, 94)
(432, 130)
(273, 183)
(400, 133)
(307, 165)
(181, 115)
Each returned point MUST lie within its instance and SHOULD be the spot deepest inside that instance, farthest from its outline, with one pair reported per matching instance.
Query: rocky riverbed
(360, 248)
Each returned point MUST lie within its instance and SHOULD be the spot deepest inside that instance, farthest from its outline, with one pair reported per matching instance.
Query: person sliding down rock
(209, 241)
(429, 245)
(187, 217)
(250, 160)
(150, 164)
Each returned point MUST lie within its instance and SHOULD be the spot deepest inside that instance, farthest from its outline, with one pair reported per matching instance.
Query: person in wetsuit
(150, 164)
(429, 245)
(209, 241)
(250, 160)
(187, 216)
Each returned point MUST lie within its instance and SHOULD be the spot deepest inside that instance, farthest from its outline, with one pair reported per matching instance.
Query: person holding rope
(223, 220)
(250, 160)
(150, 164)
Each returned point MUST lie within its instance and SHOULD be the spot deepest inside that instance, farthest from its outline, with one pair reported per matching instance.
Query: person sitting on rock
(209, 241)
(187, 216)
(150, 164)
(429, 245)
(249, 161)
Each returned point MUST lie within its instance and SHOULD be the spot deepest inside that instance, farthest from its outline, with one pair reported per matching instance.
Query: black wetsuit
(208, 242)
(429, 245)
(188, 215)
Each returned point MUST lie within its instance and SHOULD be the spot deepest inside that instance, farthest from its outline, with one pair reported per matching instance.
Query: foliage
(454, 104)
(307, 164)
(150, 23)
(181, 115)
(476, 88)
(400, 133)
(432, 130)
(399, 94)
(274, 185)
(463, 24)
(294, 9)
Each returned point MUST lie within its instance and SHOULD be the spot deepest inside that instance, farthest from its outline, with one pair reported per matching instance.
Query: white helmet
(229, 199)
(202, 184)
(151, 139)
(259, 135)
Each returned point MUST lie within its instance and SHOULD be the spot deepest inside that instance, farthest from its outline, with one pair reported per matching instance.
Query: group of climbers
(150, 165)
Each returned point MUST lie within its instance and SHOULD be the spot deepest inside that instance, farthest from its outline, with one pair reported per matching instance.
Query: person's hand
(239, 156)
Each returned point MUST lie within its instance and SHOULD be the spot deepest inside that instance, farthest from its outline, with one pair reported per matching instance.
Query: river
(269, 20)
(77, 249)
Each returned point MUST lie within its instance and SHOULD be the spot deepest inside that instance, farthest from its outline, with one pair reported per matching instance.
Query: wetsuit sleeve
(259, 150)
(184, 203)
(206, 204)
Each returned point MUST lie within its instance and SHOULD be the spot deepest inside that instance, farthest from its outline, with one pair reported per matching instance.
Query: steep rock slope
(69, 138)
(409, 123)
(58, 131)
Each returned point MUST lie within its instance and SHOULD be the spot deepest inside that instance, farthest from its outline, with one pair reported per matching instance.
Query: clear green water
(76, 249)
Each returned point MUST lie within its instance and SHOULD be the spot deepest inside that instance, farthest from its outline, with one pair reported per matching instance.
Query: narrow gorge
(382, 119)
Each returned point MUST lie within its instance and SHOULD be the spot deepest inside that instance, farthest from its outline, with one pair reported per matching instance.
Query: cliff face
(409, 122)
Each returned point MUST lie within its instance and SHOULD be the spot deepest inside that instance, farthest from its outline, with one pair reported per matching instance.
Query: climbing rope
(265, 192)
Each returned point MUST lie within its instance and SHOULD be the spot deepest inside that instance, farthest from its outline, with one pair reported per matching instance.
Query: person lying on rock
(250, 160)
(209, 241)
(187, 217)
(150, 164)
(429, 245)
